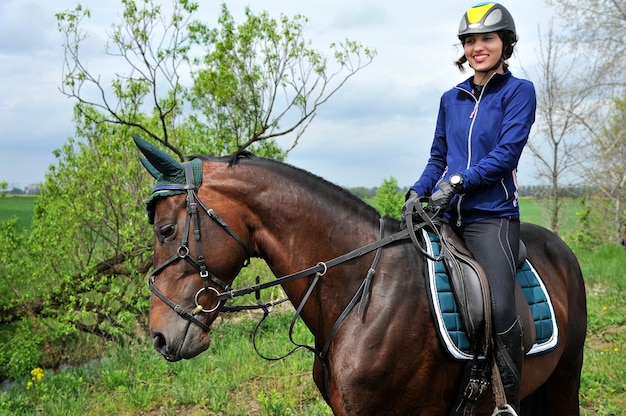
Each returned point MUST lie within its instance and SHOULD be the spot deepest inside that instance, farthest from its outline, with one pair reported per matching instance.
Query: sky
(378, 126)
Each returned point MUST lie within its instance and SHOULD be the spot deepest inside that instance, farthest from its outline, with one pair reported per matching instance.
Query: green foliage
(21, 349)
(261, 79)
(602, 386)
(252, 82)
(14, 261)
(91, 227)
(388, 199)
(228, 380)
(80, 268)
(584, 236)
(605, 168)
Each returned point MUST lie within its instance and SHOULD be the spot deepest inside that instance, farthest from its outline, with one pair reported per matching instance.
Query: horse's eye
(166, 231)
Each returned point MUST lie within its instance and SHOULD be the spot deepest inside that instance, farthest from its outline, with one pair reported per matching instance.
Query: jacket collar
(496, 78)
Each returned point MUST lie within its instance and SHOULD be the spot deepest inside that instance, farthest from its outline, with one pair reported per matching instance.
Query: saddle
(470, 289)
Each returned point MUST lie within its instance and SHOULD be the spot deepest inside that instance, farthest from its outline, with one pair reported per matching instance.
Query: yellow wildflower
(37, 374)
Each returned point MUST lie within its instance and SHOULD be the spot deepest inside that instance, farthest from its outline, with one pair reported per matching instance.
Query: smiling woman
(482, 128)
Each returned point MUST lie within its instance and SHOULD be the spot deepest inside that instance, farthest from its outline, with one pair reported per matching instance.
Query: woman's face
(483, 51)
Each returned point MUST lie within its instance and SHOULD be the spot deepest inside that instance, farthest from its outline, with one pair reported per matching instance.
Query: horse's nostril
(159, 342)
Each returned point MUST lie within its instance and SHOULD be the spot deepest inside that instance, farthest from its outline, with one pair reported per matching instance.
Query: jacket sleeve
(518, 118)
(437, 164)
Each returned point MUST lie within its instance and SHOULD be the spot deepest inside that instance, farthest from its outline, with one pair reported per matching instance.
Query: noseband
(183, 251)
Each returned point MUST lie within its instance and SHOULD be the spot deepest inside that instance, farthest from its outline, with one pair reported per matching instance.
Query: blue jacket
(481, 139)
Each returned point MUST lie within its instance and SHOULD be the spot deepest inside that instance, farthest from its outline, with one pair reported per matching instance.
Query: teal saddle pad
(448, 319)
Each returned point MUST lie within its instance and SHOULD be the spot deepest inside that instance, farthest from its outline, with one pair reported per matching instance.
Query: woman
(482, 127)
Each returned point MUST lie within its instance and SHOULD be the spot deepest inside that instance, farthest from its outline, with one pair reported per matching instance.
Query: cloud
(379, 125)
(24, 29)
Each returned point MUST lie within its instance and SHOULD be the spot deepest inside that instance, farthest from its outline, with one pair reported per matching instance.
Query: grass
(536, 212)
(603, 389)
(230, 379)
(18, 207)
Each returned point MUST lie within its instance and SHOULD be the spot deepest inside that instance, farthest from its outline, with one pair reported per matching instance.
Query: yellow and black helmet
(485, 18)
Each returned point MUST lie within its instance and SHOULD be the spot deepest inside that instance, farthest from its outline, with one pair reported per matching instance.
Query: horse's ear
(159, 161)
(153, 171)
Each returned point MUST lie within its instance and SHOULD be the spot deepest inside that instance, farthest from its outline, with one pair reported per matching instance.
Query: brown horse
(386, 361)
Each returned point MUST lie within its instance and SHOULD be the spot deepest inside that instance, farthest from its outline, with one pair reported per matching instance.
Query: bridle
(183, 251)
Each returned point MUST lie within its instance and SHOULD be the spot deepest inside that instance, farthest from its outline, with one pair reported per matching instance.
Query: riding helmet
(485, 18)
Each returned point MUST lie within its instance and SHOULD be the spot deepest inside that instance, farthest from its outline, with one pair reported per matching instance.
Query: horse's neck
(301, 234)
(299, 227)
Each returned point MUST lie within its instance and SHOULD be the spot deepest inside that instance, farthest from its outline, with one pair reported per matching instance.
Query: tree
(251, 84)
(90, 218)
(239, 73)
(606, 167)
(388, 199)
(597, 30)
(562, 98)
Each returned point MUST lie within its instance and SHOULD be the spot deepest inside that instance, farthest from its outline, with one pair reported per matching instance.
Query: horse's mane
(301, 176)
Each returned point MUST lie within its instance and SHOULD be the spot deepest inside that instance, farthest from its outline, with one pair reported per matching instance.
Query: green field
(230, 379)
(18, 207)
(537, 212)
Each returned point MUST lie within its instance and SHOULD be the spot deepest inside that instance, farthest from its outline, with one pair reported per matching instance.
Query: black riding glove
(411, 199)
(440, 200)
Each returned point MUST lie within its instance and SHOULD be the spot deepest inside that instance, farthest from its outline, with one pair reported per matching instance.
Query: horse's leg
(368, 383)
(564, 383)
(319, 377)
(563, 388)
(559, 393)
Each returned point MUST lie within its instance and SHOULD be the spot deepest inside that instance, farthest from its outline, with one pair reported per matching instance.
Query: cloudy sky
(378, 126)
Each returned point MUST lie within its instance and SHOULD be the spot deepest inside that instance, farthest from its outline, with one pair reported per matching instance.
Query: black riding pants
(494, 243)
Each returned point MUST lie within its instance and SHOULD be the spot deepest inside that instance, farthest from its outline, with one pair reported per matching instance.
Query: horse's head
(190, 269)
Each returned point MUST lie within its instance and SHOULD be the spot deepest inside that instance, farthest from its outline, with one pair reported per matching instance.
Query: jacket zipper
(473, 115)
(506, 191)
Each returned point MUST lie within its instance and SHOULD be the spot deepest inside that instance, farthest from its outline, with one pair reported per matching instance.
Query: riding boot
(509, 354)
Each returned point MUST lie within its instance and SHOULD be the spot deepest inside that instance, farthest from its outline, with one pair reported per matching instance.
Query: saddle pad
(448, 319)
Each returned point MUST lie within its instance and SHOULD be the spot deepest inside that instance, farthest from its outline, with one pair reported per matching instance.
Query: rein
(425, 220)
(320, 267)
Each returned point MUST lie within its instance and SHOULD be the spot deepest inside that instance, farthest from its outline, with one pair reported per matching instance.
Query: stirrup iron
(506, 410)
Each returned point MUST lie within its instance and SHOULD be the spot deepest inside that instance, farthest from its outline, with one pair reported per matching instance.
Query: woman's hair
(509, 39)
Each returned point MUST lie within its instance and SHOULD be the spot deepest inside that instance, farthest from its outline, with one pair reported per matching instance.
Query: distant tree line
(32, 189)
(534, 191)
